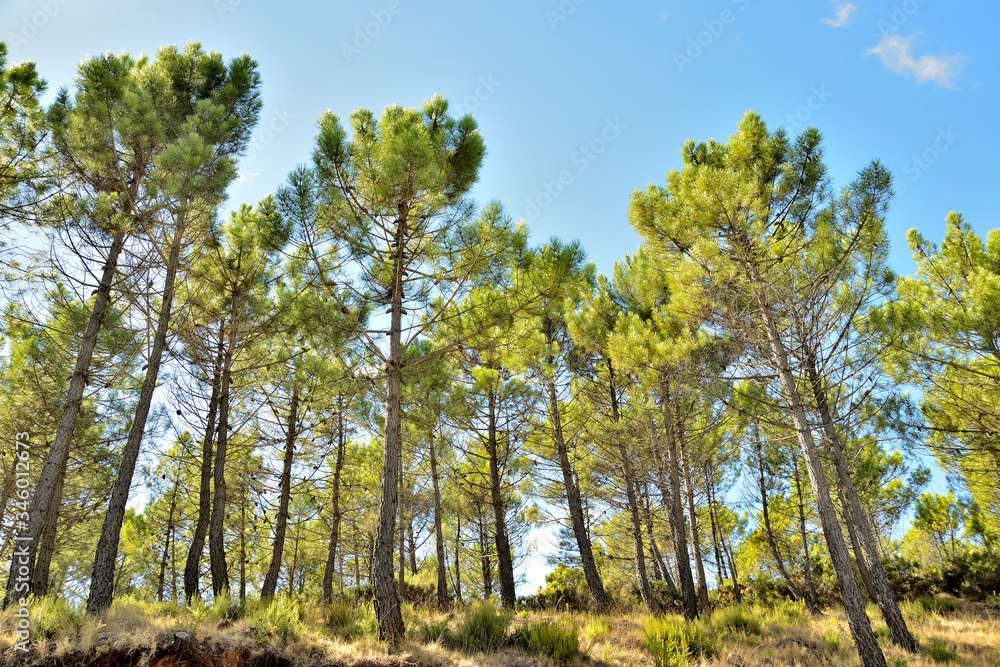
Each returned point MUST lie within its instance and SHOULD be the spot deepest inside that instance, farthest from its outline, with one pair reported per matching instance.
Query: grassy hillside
(949, 631)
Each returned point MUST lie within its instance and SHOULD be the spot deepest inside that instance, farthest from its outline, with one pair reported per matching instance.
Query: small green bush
(430, 632)
(596, 629)
(832, 639)
(51, 616)
(552, 639)
(941, 652)
(484, 627)
(938, 605)
(784, 612)
(342, 619)
(672, 640)
(738, 619)
(226, 608)
(913, 611)
(279, 618)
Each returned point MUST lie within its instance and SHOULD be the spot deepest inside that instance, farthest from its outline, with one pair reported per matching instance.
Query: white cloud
(242, 176)
(844, 14)
(896, 54)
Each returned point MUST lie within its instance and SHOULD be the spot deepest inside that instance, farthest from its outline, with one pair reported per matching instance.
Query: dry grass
(789, 637)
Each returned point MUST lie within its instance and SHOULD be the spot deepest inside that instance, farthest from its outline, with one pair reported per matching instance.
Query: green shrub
(832, 639)
(785, 612)
(738, 619)
(430, 632)
(279, 618)
(913, 611)
(342, 619)
(941, 652)
(672, 640)
(552, 639)
(938, 605)
(596, 629)
(171, 609)
(51, 616)
(484, 627)
(226, 608)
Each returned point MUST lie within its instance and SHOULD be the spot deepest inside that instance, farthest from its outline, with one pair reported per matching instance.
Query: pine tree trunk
(663, 573)
(243, 551)
(675, 508)
(594, 583)
(695, 540)
(192, 566)
(484, 559)
(633, 506)
(338, 466)
(217, 522)
(868, 558)
(813, 598)
(386, 602)
(458, 560)
(442, 566)
(281, 520)
(854, 606)
(167, 544)
(19, 585)
(102, 579)
(766, 512)
(505, 564)
(402, 541)
(47, 548)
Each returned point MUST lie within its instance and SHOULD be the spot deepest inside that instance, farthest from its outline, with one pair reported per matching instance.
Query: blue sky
(581, 101)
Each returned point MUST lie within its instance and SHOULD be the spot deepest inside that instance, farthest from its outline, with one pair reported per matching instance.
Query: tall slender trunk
(675, 508)
(338, 467)
(641, 578)
(217, 522)
(766, 514)
(593, 577)
(387, 610)
(170, 534)
(720, 564)
(663, 573)
(854, 606)
(484, 559)
(102, 579)
(281, 520)
(192, 566)
(812, 598)
(402, 539)
(295, 564)
(505, 564)
(21, 581)
(458, 559)
(868, 558)
(411, 538)
(243, 551)
(47, 547)
(695, 539)
(442, 566)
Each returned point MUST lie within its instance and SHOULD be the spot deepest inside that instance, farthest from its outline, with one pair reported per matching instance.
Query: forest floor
(134, 635)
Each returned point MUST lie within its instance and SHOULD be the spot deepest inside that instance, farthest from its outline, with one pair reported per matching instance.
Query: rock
(735, 659)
